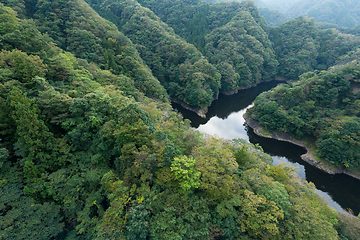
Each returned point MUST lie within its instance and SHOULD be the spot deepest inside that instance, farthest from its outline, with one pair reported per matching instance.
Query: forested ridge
(344, 13)
(321, 108)
(91, 148)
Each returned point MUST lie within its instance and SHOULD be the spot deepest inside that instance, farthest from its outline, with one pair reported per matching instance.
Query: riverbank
(279, 79)
(308, 157)
(202, 112)
(199, 111)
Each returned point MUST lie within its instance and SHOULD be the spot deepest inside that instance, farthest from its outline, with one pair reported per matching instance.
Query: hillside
(322, 109)
(236, 43)
(180, 67)
(91, 148)
(301, 47)
(341, 12)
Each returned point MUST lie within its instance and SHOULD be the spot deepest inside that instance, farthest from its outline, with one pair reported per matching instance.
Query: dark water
(224, 119)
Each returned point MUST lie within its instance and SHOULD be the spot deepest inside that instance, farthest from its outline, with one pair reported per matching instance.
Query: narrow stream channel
(225, 120)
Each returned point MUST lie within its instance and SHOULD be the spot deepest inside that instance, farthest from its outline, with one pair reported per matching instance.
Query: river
(225, 120)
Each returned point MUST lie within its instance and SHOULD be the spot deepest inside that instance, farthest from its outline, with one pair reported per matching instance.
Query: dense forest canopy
(323, 107)
(344, 13)
(91, 148)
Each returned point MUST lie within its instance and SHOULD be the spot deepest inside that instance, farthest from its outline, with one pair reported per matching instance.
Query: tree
(24, 67)
(217, 166)
(259, 217)
(8, 20)
(185, 173)
(24, 218)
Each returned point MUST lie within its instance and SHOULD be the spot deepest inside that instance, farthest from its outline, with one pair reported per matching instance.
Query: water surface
(225, 120)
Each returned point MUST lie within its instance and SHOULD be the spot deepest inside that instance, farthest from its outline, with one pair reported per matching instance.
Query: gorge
(225, 120)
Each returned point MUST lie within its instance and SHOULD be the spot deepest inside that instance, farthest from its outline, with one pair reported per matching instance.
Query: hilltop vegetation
(179, 66)
(232, 36)
(341, 12)
(301, 47)
(91, 149)
(323, 107)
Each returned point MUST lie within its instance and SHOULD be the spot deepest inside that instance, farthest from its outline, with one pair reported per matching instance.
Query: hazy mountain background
(345, 13)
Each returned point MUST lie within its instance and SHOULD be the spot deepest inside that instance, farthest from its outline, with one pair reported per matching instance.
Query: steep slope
(273, 17)
(232, 35)
(179, 66)
(80, 158)
(242, 52)
(194, 19)
(301, 47)
(77, 28)
(321, 109)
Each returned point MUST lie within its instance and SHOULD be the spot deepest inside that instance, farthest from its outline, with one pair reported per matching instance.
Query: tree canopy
(91, 148)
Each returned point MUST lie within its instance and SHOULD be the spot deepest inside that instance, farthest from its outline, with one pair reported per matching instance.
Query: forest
(91, 148)
(344, 13)
(322, 108)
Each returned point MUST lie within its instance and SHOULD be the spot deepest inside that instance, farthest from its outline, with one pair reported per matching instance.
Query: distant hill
(345, 13)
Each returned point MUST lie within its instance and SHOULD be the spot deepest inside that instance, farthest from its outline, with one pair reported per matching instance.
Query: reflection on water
(225, 120)
(232, 129)
(226, 105)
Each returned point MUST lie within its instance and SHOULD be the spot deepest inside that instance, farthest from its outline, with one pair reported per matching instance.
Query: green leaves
(113, 167)
(24, 67)
(185, 173)
(242, 52)
(35, 142)
(259, 217)
(24, 218)
(8, 20)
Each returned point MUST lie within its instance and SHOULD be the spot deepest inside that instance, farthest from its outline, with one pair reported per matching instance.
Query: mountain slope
(301, 47)
(179, 66)
(86, 155)
(322, 109)
(242, 52)
(77, 28)
(341, 12)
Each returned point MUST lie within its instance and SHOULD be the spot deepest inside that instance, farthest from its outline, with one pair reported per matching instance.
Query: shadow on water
(225, 105)
(224, 118)
(341, 188)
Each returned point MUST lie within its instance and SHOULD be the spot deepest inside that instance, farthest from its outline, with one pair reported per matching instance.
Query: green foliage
(259, 217)
(301, 47)
(317, 107)
(217, 166)
(114, 221)
(8, 20)
(36, 144)
(341, 145)
(178, 216)
(94, 39)
(139, 222)
(243, 52)
(232, 36)
(348, 226)
(179, 66)
(23, 67)
(83, 145)
(185, 172)
(23, 218)
(4, 154)
(277, 193)
(272, 17)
